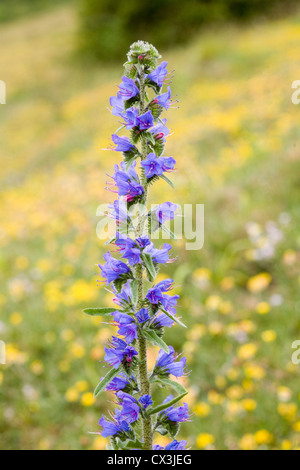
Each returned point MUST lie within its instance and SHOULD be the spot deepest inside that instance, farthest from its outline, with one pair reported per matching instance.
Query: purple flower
(128, 88)
(130, 409)
(159, 256)
(145, 121)
(159, 74)
(127, 182)
(169, 302)
(118, 383)
(114, 427)
(179, 414)
(165, 211)
(127, 326)
(119, 353)
(113, 269)
(118, 211)
(152, 166)
(166, 364)
(167, 163)
(131, 117)
(142, 315)
(155, 294)
(164, 99)
(160, 131)
(117, 105)
(123, 144)
(146, 401)
(162, 320)
(124, 297)
(176, 445)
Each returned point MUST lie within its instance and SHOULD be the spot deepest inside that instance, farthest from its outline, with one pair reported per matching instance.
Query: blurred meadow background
(235, 138)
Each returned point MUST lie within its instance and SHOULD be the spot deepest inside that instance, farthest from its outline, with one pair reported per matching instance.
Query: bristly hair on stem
(143, 306)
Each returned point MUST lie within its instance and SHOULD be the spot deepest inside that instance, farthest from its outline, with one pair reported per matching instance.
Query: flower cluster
(140, 316)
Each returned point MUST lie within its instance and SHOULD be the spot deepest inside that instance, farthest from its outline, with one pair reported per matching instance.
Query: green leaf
(99, 311)
(175, 385)
(163, 406)
(168, 181)
(129, 161)
(134, 445)
(175, 319)
(155, 339)
(105, 381)
(149, 266)
(169, 232)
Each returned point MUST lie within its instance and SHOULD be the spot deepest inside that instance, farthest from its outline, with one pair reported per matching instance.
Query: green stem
(143, 369)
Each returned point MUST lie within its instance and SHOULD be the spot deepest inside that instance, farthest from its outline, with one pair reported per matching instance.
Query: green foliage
(20, 8)
(108, 28)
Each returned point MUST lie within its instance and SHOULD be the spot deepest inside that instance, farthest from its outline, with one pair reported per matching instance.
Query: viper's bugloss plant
(144, 307)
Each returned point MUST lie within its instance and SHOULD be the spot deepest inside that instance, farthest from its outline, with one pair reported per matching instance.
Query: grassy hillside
(236, 140)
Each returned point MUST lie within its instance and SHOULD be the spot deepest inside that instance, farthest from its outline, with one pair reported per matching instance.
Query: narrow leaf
(156, 340)
(168, 181)
(105, 381)
(99, 311)
(175, 319)
(169, 232)
(149, 266)
(175, 385)
(163, 406)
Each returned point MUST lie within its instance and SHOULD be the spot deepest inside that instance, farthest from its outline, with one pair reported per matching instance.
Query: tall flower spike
(143, 308)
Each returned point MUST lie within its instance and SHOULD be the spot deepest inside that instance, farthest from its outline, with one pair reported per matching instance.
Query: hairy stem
(143, 369)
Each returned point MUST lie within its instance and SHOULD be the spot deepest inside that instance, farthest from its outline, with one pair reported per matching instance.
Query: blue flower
(130, 409)
(176, 445)
(164, 99)
(113, 269)
(114, 427)
(167, 163)
(179, 414)
(123, 144)
(145, 121)
(119, 353)
(166, 364)
(161, 321)
(155, 294)
(130, 117)
(142, 315)
(146, 401)
(128, 88)
(127, 326)
(117, 105)
(159, 74)
(160, 131)
(118, 211)
(118, 383)
(165, 211)
(127, 182)
(152, 166)
(159, 256)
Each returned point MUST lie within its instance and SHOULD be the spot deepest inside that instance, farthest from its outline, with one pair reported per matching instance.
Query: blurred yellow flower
(87, 399)
(284, 393)
(44, 444)
(81, 385)
(227, 283)
(72, 395)
(99, 443)
(215, 398)
(67, 335)
(254, 371)
(213, 302)
(263, 308)
(286, 445)
(247, 351)
(14, 355)
(259, 282)
(247, 442)
(78, 350)
(203, 440)
(37, 367)
(249, 404)
(220, 381)
(263, 437)
(268, 336)
(234, 392)
(16, 318)
(21, 262)
(296, 426)
(287, 410)
(232, 373)
(202, 409)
